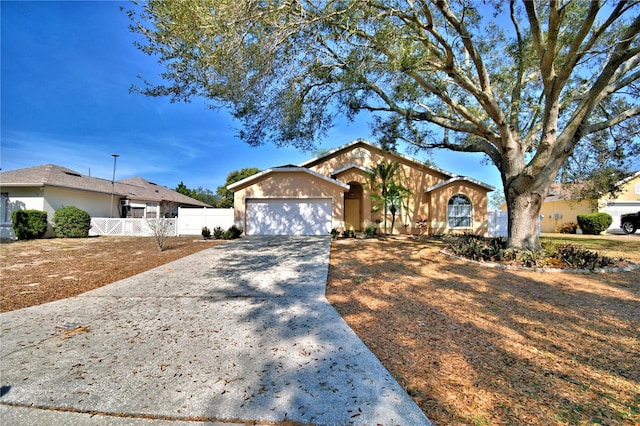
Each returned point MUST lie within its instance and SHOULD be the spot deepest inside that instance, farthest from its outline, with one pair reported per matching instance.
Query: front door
(353, 207)
(352, 214)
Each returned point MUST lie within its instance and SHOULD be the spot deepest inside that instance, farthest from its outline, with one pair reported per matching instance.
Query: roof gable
(459, 179)
(284, 169)
(371, 146)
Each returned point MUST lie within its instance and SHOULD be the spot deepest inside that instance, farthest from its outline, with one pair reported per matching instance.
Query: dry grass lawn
(33, 272)
(475, 345)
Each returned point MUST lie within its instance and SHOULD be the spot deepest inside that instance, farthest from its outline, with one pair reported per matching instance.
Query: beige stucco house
(49, 187)
(334, 191)
(561, 207)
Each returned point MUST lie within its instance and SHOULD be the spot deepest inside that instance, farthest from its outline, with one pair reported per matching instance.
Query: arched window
(459, 211)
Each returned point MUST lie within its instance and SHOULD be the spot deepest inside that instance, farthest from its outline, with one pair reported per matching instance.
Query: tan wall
(557, 213)
(629, 192)
(439, 202)
(417, 178)
(97, 205)
(289, 185)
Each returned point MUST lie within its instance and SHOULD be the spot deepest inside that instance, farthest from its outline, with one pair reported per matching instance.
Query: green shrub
(217, 232)
(206, 233)
(232, 233)
(478, 248)
(370, 231)
(580, 258)
(71, 222)
(334, 233)
(348, 233)
(29, 224)
(594, 223)
(527, 258)
(568, 228)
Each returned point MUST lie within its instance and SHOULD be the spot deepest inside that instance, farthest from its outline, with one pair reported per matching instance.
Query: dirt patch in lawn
(475, 345)
(39, 271)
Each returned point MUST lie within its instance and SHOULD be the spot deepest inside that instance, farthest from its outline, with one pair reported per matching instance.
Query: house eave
(247, 181)
(489, 188)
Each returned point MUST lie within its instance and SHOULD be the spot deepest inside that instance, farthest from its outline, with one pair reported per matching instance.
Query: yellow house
(560, 207)
(333, 191)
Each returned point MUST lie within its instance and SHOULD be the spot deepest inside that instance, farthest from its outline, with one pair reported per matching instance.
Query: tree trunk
(523, 213)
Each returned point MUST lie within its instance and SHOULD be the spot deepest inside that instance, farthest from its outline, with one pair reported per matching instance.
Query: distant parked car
(630, 222)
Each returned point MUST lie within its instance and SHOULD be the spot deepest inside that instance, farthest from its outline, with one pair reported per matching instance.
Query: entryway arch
(353, 207)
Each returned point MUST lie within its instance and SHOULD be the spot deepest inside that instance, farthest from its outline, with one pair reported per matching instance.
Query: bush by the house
(568, 228)
(71, 222)
(348, 233)
(370, 231)
(29, 224)
(218, 232)
(206, 233)
(594, 223)
(232, 233)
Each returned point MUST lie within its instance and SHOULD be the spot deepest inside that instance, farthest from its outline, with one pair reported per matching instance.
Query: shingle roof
(135, 188)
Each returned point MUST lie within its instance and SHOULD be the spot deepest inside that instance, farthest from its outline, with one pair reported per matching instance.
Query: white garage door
(288, 217)
(618, 209)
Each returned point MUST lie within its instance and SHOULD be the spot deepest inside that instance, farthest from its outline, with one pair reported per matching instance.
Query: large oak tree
(524, 82)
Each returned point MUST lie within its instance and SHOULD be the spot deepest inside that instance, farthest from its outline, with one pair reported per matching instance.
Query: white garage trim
(291, 216)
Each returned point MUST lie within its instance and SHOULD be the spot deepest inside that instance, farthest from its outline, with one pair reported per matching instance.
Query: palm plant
(390, 193)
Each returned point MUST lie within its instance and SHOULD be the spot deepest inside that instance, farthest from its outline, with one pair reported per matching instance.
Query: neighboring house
(50, 187)
(562, 207)
(333, 191)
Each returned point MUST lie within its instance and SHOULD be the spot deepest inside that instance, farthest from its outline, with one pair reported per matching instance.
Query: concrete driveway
(239, 333)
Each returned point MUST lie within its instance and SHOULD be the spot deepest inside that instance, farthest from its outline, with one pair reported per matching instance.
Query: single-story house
(333, 191)
(561, 206)
(49, 187)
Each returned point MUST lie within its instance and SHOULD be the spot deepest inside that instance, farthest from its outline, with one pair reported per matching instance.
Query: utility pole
(113, 184)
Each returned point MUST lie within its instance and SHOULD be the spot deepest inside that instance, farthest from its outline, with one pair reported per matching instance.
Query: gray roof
(134, 189)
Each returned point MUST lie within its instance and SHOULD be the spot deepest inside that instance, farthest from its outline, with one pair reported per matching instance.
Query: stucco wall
(289, 185)
(557, 213)
(97, 205)
(438, 206)
(431, 207)
(630, 191)
(21, 199)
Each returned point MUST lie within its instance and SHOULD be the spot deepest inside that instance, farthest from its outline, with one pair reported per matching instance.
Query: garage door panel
(288, 217)
(618, 210)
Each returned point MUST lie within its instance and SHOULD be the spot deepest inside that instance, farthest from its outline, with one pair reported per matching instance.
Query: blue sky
(66, 70)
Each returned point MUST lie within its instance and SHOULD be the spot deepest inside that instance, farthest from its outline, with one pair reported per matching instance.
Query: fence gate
(130, 227)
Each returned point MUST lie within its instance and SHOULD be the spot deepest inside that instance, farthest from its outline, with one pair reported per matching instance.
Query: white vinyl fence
(499, 223)
(191, 220)
(129, 227)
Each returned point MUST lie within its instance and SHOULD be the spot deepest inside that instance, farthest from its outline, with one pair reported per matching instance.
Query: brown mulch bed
(33, 272)
(477, 345)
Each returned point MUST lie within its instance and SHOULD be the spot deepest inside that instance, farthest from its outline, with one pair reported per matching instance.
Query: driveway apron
(237, 333)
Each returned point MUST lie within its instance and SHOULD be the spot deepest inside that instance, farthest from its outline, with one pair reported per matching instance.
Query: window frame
(458, 218)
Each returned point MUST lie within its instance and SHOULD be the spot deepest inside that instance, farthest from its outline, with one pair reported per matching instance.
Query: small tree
(29, 224)
(71, 222)
(391, 194)
(162, 227)
(225, 195)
